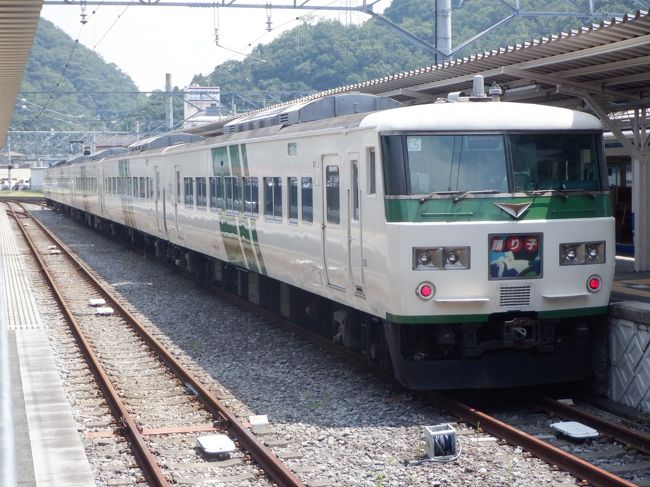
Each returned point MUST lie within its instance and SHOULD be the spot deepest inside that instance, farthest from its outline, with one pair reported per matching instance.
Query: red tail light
(594, 284)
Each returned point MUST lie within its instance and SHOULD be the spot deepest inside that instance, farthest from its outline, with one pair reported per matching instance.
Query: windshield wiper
(563, 192)
(458, 195)
(436, 193)
(478, 191)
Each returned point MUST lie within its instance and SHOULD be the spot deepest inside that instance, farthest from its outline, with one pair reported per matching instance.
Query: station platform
(41, 446)
(630, 285)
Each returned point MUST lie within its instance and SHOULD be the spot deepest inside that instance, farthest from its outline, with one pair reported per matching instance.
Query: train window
(201, 197)
(216, 194)
(189, 192)
(371, 171)
(307, 199)
(332, 194)
(355, 190)
(143, 188)
(251, 197)
(150, 188)
(424, 164)
(178, 187)
(292, 149)
(233, 196)
(556, 161)
(273, 198)
(292, 184)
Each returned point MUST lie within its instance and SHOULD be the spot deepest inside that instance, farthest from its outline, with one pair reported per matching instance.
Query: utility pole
(443, 27)
(169, 103)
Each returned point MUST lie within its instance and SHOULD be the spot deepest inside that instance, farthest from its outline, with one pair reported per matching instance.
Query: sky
(146, 42)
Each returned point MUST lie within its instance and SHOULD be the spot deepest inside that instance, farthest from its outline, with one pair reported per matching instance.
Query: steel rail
(145, 457)
(636, 439)
(582, 469)
(269, 462)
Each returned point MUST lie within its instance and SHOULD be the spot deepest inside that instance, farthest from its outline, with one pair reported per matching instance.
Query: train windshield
(491, 163)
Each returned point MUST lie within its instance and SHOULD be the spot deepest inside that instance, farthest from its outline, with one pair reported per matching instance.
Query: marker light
(425, 291)
(594, 283)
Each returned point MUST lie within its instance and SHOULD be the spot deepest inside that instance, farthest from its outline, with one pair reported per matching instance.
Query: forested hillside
(317, 55)
(327, 54)
(61, 83)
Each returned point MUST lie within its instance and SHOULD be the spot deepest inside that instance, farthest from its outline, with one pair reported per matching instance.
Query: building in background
(202, 104)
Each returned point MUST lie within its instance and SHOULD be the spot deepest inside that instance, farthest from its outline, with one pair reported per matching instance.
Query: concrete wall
(629, 349)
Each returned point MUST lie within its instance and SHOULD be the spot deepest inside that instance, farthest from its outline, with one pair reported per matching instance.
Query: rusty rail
(576, 466)
(269, 462)
(636, 439)
(145, 457)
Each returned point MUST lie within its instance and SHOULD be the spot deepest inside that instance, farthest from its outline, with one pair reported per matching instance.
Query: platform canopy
(18, 21)
(604, 69)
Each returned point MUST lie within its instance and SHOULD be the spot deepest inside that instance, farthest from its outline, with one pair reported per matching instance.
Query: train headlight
(579, 253)
(441, 258)
(592, 253)
(424, 258)
(571, 253)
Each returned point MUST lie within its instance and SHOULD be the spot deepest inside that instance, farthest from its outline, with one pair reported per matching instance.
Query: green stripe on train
(484, 209)
(239, 233)
(481, 318)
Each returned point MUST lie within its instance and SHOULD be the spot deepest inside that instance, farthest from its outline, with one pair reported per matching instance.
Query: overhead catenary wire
(55, 94)
(119, 16)
(256, 40)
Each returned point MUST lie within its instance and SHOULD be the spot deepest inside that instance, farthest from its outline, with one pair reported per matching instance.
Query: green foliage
(329, 54)
(311, 57)
(60, 86)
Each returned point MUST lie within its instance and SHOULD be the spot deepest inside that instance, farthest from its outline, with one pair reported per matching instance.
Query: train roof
(480, 116)
(164, 140)
(312, 110)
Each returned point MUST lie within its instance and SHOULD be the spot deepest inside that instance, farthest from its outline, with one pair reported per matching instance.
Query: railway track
(618, 457)
(629, 459)
(157, 403)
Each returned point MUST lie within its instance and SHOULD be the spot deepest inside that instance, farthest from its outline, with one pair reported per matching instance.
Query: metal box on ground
(440, 440)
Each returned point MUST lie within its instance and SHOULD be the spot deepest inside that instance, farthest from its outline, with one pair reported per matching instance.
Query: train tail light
(425, 291)
(594, 283)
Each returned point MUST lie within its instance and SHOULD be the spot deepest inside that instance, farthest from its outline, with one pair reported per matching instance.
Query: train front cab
(500, 287)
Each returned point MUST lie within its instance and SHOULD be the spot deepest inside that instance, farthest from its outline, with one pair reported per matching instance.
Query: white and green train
(467, 244)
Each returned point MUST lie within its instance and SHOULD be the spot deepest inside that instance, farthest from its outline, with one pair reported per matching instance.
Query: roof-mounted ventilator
(165, 140)
(319, 109)
(107, 152)
(478, 92)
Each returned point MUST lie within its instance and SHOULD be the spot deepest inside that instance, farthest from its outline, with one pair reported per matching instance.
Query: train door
(159, 196)
(354, 226)
(335, 224)
(101, 189)
(177, 197)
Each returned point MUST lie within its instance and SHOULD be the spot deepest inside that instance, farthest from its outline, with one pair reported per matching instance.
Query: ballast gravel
(330, 423)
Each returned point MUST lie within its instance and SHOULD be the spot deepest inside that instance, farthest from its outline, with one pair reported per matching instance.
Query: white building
(202, 105)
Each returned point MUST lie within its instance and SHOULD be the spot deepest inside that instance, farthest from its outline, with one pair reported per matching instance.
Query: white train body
(364, 225)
